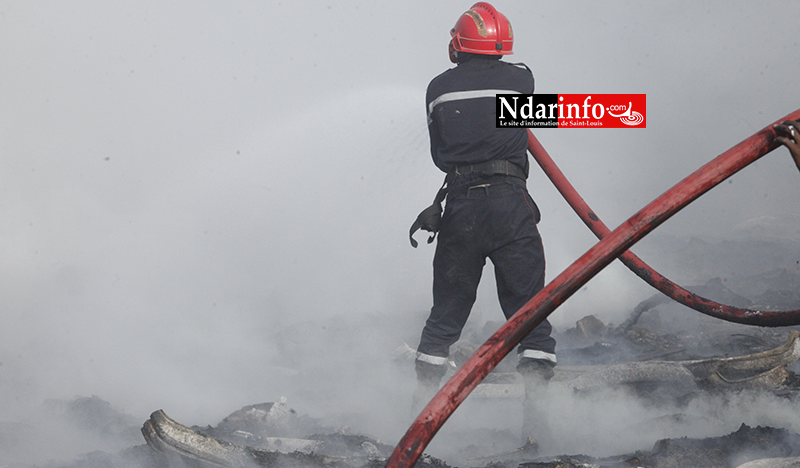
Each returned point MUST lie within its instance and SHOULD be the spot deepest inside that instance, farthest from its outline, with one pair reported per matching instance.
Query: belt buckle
(485, 188)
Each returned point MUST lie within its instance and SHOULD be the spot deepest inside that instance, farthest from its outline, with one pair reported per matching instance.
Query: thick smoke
(206, 206)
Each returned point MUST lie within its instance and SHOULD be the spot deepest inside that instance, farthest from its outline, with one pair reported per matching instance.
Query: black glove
(428, 220)
(430, 216)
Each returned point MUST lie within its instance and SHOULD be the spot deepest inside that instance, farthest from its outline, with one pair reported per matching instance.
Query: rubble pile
(661, 355)
(180, 446)
(744, 448)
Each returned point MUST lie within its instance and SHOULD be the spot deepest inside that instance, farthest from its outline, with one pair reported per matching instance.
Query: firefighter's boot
(429, 376)
(536, 374)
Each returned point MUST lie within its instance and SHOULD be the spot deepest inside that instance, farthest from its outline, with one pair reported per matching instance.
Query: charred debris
(652, 356)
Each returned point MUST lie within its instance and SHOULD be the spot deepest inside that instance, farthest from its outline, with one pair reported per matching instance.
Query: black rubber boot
(536, 374)
(429, 376)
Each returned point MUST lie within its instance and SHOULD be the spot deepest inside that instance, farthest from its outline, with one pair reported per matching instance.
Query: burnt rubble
(272, 435)
(774, 447)
(269, 434)
(744, 446)
(661, 355)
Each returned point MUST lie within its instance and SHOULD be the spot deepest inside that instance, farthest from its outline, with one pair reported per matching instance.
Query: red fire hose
(473, 371)
(645, 271)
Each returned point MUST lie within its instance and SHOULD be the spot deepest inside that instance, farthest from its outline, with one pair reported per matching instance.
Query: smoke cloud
(206, 206)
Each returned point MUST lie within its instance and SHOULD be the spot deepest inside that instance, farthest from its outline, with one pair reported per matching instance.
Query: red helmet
(482, 30)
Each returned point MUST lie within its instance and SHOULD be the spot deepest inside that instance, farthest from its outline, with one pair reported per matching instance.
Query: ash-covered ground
(620, 422)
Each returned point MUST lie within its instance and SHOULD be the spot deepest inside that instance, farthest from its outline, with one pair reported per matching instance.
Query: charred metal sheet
(166, 436)
(766, 379)
(793, 462)
(753, 370)
(764, 370)
(204, 450)
(279, 444)
(644, 377)
(746, 444)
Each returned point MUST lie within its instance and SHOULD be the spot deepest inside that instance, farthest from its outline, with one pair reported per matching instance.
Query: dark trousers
(496, 222)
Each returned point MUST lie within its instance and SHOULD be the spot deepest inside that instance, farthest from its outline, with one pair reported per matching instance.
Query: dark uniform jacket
(461, 113)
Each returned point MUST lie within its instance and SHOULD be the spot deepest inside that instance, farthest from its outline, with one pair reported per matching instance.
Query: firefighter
(489, 212)
(788, 133)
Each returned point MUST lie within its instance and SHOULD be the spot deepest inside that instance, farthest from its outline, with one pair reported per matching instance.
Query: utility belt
(489, 168)
(429, 218)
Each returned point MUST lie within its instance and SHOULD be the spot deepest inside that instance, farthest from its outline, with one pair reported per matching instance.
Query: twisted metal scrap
(613, 244)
